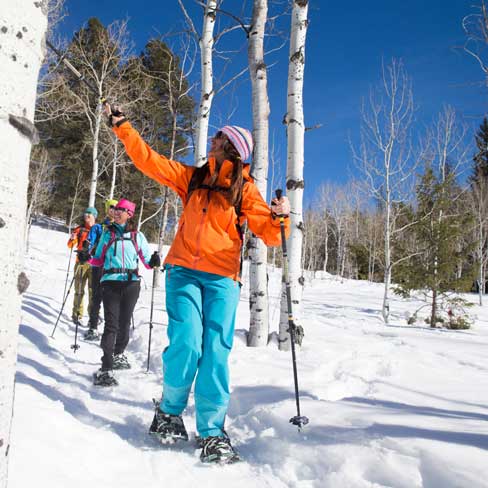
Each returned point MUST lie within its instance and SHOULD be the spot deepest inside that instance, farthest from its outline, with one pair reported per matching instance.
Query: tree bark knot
(298, 57)
(42, 5)
(295, 184)
(25, 127)
(22, 282)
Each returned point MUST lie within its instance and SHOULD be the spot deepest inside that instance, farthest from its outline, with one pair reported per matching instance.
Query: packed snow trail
(396, 406)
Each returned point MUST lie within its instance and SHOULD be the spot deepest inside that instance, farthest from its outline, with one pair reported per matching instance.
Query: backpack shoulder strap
(101, 260)
(133, 238)
(81, 229)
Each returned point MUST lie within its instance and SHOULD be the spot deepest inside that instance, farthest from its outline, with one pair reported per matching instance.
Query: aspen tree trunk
(481, 278)
(370, 260)
(141, 210)
(96, 143)
(207, 92)
(73, 203)
(385, 309)
(326, 244)
(339, 251)
(295, 159)
(114, 170)
(23, 25)
(258, 282)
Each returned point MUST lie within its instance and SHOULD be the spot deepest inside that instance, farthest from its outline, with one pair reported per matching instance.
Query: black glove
(115, 112)
(155, 261)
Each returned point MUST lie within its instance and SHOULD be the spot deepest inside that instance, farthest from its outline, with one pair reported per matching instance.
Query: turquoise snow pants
(201, 310)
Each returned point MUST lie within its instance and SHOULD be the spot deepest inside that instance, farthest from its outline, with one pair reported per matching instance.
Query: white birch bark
(207, 92)
(22, 27)
(385, 309)
(481, 269)
(114, 169)
(96, 143)
(295, 160)
(141, 210)
(326, 243)
(258, 282)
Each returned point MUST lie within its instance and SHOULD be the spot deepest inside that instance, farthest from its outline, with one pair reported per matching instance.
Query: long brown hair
(130, 225)
(233, 194)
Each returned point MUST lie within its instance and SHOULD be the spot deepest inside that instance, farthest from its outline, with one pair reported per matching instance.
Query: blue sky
(346, 44)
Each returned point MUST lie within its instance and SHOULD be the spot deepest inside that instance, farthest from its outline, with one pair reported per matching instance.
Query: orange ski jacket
(207, 238)
(81, 232)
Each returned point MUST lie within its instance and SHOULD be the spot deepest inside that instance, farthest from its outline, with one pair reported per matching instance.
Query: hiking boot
(104, 378)
(121, 362)
(219, 450)
(167, 428)
(91, 335)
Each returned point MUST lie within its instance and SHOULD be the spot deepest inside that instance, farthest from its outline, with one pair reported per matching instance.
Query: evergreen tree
(439, 229)
(480, 167)
(479, 204)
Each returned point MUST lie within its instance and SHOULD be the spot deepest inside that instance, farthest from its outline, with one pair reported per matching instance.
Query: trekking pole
(298, 419)
(62, 306)
(67, 272)
(75, 346)
(155, 271)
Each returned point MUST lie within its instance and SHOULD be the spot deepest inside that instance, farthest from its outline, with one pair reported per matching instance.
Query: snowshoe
(121, 362)
(167, 428)
(91, 335)
(219, 450)
(104, 378)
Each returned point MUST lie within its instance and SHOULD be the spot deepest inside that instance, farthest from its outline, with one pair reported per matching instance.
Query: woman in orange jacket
(202, 277)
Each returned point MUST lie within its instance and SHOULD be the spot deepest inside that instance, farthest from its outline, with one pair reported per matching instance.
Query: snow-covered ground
(398, 406)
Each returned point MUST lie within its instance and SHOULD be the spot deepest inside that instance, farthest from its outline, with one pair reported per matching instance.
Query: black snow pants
(119, 300)
(96, 299)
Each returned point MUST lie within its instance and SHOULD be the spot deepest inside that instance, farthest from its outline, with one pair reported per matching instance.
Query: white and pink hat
(240, 138)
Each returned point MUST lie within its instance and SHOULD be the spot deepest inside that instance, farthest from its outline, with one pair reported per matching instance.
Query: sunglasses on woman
(120, 209)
